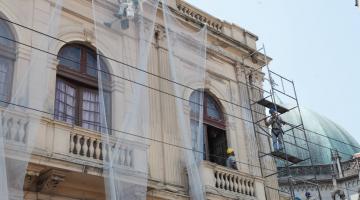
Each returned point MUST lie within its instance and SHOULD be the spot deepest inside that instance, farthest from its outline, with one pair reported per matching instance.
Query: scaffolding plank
(285, 156)
(269, 104)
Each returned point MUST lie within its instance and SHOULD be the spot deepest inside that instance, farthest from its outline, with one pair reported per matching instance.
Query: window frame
(8, 53)
(81, 81)
(208, 121)
(80, 76)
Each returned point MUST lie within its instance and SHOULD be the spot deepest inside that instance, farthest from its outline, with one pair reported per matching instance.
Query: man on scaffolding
(276, 131)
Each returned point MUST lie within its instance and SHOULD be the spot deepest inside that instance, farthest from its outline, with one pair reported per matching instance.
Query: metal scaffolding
(279, 93)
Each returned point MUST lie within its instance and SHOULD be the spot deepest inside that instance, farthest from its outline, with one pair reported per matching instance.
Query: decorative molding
(31, 177)
(159, 32)
(49, 181)
(199, 16)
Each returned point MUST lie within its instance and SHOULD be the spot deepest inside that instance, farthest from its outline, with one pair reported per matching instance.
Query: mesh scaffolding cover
(187, 63)
(124, 32)
(30, 66)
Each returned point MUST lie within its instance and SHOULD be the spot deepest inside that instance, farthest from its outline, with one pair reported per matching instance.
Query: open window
(77, 97)
(214, 131)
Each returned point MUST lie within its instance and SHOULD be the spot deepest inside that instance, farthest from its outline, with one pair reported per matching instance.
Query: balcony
(66, 146)
(219, 180)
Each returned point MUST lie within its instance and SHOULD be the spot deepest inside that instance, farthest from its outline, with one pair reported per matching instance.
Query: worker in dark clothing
(276, 131)
(309, 196)
(231, 161)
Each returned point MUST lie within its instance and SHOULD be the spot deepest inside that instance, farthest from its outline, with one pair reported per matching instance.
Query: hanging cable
(156, 89)
(158, 76)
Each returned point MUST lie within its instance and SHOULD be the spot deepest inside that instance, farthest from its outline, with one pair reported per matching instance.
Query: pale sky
(316, 43)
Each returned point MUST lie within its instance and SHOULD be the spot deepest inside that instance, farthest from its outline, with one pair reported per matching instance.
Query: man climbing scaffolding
(231, 161)
(276, 131)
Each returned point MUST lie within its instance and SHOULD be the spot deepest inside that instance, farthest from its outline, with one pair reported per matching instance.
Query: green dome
(322, 131)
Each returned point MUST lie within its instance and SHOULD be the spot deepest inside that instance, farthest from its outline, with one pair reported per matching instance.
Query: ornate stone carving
(49, 181)
(32, 177)
(160, 33)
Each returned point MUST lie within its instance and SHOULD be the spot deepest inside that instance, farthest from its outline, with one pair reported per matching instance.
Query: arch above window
(77, 98)
(7, 36)
(212, 112)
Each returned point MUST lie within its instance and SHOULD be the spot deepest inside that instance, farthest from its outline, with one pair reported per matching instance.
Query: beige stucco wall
(224, 72)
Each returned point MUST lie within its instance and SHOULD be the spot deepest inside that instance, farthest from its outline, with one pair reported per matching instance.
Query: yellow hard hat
(230, 150)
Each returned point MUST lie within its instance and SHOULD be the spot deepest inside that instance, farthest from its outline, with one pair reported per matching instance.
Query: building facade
(68, 153)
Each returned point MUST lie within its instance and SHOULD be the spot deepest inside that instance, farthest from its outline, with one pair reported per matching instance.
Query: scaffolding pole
(265, 102)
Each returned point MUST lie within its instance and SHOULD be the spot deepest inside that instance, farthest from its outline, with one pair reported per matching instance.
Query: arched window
(214, 133)
(7, 59)
(77, 96)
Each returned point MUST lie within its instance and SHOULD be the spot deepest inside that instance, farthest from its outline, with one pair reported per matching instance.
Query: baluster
(247, 187)
(82, 144)
(218, 180)
(115, 155)
(72, 144)
(121, 156)
(239, 184)
(91, 147)
(227, 181)
(25, 128)
(85, 146)
(78, 145)
(222, 180)
(125, 156)
(21, 133)
(252, 189)
(215, 176)
(242, 186)
(231, 185)
(8, 124)
(12, 129)
(235, 184)
(97, 149)
(104, 151)
(128, 163)
(17, 130)
(131, 160)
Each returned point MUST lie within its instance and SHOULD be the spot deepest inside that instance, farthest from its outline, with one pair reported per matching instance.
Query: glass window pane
(6, 34)
(70, 57)
(5, 79)
(212, 109)
(65, 102)
(91, 111)
(91, 67)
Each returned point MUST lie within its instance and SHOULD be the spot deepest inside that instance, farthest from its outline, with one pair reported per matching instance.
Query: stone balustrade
(232, 182)
(62, 141)
(90, 146)
(14, 126)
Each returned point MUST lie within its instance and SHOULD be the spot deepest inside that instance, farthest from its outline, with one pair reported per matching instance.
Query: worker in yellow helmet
(231, 161)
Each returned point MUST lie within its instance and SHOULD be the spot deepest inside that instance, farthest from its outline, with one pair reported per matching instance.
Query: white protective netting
(26, 67)
(124, 30)
(187, 63)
